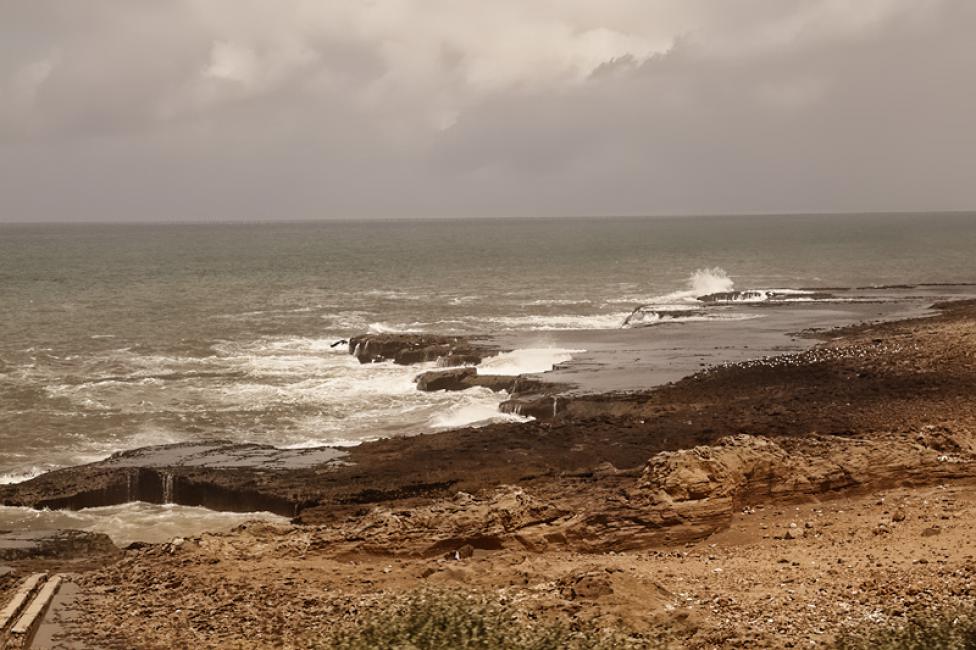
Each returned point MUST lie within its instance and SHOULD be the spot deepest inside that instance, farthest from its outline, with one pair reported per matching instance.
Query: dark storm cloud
(239, 110)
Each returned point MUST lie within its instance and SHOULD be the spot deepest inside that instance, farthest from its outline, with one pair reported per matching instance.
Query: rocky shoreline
(872, 409)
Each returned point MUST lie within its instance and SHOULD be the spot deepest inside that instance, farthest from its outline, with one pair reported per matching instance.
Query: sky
(227, 110)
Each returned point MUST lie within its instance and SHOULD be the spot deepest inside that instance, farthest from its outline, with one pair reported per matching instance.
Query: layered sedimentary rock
(490, 522)
(696, 491)
(678, 496)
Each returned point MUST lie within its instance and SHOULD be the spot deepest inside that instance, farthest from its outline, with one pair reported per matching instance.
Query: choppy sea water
(113, 337)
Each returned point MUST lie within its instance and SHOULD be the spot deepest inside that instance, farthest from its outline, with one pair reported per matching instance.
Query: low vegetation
(448, 620)
(943, 631)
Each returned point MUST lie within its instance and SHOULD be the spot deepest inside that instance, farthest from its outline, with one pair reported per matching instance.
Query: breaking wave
(474, 415)
(282, 391)
(19, 477)
(707, 292)
(526, 361)
(559, 322)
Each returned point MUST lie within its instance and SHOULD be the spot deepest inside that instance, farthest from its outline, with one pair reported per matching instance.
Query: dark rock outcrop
(406, 349)
(764, 295)
(452, 379)
(217, 475)
(462, 379)
(54, 544)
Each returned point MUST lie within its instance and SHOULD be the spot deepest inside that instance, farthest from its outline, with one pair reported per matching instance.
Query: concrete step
(20, 598)
(37, 607)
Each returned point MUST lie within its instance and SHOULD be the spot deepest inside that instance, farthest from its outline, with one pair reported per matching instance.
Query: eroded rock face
(54, 544)
(708, 483)
(721, 471)
(406, 349)
(490, 522)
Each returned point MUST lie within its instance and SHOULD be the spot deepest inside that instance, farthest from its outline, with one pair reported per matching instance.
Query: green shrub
(448, 620)
(955, 631)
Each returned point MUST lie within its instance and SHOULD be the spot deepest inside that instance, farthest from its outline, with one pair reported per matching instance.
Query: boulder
(451, 379)
(462, 379)
(496, 383)
(406, 349)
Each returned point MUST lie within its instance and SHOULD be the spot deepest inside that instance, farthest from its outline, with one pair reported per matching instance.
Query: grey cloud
(202, 109)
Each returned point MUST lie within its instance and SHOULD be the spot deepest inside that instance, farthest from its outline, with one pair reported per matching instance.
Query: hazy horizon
(228, 111)
(544, 217)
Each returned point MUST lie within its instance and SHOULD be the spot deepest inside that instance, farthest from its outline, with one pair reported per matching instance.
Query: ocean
(118, 336)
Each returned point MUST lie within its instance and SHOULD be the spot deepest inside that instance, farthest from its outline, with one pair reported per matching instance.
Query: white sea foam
(461, 300)
(387, 328)
(313, 443)
(21, 476)
(394, 295)
(701, 282)
(526, 361)
(643, 318)
(283, 391)
(705, 281)
(474, 415)
(559, 322)
(557, 302)
(131, 522)
(350, 320)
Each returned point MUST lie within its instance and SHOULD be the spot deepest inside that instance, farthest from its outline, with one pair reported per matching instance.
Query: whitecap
(526, 361)
(559, 322)
(386, 328)
(10, 478)
(545, 302)
(480, 408)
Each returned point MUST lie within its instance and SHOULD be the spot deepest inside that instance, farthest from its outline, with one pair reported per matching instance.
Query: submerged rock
(462, 379)
(452, 379)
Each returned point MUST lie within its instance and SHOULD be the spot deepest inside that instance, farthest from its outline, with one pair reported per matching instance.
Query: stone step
(21, 596)
(37, 606)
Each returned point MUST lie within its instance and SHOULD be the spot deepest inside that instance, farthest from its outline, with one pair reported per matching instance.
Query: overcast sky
(305, 109)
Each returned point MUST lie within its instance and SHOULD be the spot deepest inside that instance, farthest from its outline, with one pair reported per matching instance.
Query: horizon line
(311, 220)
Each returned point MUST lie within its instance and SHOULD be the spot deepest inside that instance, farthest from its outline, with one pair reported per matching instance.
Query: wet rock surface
(53, 544)
(219, 475)
(462, 379)
(406, 349)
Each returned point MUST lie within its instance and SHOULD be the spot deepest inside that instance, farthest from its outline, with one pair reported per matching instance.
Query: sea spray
(705, 281)
(526, 361)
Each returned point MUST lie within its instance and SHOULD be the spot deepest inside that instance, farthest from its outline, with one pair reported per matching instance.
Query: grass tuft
(449, 620)
(953, 631)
